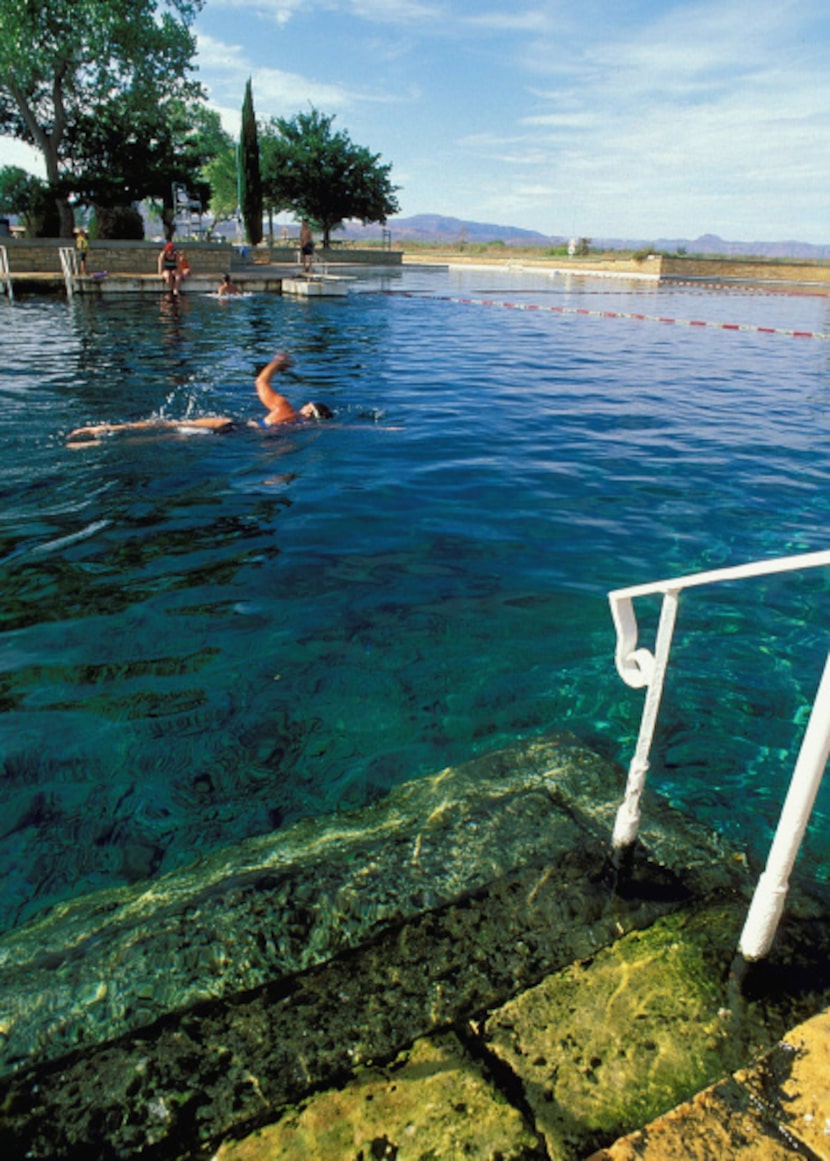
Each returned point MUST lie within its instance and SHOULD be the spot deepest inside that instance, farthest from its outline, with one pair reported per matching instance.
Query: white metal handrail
(69, 265)
(640, 667)
(5, 273)
(771, 891)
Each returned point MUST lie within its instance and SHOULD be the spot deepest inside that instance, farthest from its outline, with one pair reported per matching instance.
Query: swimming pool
(208, 637)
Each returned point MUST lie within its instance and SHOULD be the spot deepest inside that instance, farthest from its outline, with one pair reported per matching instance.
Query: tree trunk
(65, 212)
(48, 142)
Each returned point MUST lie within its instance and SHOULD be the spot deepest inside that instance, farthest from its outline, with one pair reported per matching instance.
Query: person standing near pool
(306, 246)
(82, 246)
(279, 412)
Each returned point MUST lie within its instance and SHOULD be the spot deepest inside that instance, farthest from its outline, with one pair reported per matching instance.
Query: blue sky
(605, 118)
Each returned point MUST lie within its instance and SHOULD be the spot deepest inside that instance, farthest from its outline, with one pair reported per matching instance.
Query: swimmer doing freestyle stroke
(278, 412)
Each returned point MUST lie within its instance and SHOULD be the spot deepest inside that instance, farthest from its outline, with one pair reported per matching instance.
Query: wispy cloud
(276, 90)
(373, 11)
(531, 20)
(398, 11)
(278, 11)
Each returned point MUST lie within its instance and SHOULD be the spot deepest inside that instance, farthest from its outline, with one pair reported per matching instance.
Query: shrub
(123, 222)
(41, 216)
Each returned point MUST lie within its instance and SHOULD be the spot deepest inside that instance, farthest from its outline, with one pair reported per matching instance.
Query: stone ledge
(776, 1110)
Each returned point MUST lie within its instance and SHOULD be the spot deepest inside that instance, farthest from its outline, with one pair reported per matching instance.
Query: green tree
(64, 62)
(250, 180)
(272, 197)
(222, 177)
(323, 176)
(16, 188)
(27, 197)
(128, 159)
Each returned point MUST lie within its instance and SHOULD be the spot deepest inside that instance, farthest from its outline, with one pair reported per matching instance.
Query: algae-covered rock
(776, 1110)
(608, 1044)
(431, 1104)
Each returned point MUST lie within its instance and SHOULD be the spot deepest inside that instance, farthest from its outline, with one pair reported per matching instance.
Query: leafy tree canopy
(123, 158)
(322, 175)
(28, 197)
(67, 63)
(222, 178)
(16, 189)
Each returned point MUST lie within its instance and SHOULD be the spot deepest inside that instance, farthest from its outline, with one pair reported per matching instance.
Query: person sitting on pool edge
(169, 267)
(279, 411)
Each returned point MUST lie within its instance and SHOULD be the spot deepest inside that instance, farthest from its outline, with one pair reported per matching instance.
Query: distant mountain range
(434, 228)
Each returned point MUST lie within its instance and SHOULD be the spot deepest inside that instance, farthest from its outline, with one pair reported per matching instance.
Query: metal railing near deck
(69, 266)
(5, 273)
(640, 667)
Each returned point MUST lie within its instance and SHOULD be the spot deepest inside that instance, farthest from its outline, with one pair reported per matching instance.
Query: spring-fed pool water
(205, 638)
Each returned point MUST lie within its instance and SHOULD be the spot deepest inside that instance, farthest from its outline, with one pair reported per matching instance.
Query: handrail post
(5, 274)
(771, 892)
(69, 263)
(638, 666)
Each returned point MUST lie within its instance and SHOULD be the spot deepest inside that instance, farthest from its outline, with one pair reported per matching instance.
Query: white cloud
(399, 11)
(279, 11)
(374, 11)
(280, 92)
(532, 20)
(706, 103)
(215, 54)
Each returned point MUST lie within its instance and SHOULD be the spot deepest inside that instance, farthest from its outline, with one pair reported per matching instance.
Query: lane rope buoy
(754, 328)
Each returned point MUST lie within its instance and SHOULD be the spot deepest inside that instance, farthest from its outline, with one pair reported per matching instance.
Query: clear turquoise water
(207, 637)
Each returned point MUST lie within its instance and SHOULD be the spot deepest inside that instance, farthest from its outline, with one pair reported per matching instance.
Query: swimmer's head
(316, 411)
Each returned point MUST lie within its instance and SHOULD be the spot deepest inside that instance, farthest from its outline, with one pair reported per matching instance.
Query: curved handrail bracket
(635, 666)
(638, 667)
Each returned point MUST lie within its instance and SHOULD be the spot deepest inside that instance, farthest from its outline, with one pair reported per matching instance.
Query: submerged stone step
(197, 1005)
(609, 1044)
(275, 905)
(432, 1101)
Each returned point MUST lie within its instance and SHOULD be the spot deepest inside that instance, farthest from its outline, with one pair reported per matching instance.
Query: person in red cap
(170, 268)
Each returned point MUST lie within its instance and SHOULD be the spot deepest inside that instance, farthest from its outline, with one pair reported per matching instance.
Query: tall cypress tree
(250, 182)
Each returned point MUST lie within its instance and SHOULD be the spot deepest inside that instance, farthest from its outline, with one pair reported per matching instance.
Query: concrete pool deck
(130, 272)
(456, 971)
(251, 280)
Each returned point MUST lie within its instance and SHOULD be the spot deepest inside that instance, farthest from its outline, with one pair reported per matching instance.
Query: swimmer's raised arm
(278, 407)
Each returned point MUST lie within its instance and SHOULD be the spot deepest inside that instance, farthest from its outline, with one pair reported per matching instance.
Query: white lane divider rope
(685, 322)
